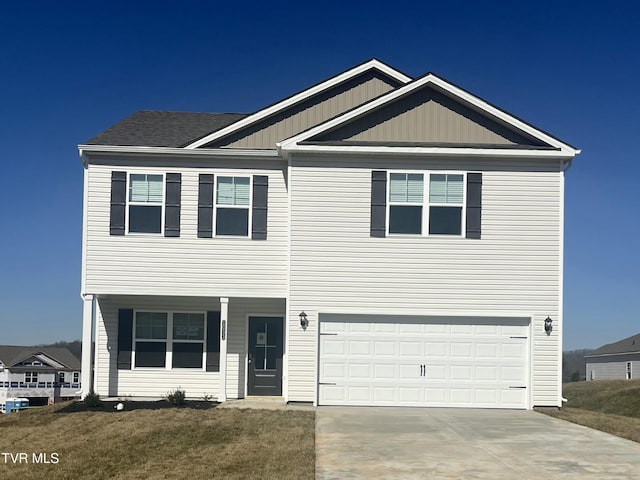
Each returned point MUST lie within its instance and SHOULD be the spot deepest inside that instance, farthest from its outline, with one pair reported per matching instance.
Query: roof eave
(287, 149)
(173, 151)
(611, 354)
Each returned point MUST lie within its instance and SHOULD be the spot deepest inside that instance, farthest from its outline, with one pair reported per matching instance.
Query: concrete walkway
(427, 443)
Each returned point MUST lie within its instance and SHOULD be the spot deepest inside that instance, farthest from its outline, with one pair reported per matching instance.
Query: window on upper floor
(442, 212)
(232, 206)
(145, 203)
(61, 377)
(232, 210)
(76, 377)
(31, 377)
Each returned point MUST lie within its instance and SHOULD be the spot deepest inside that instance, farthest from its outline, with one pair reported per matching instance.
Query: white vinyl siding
(186, 265)
(157, 382)
(613, 367)
(337, 267)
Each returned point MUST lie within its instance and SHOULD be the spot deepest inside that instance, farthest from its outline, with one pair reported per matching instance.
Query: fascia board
(300, 97)
(207, 152)
(446, 86)
(426, 151)
(611, 354)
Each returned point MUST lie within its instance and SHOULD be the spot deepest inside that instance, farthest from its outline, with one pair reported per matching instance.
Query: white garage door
(423, 361)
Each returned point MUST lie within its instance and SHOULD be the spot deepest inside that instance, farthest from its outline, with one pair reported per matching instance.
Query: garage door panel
(359, 372)
(415, 361)
(385, 348)
(461, 350)
(360, 347)
(386, 372)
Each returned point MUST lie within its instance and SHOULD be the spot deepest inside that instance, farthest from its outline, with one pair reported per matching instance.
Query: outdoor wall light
(547, 325)
(304, 321)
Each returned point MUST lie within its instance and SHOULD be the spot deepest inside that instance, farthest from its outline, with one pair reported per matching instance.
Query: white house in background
(371, 240)
(618, 360)
(44, 375)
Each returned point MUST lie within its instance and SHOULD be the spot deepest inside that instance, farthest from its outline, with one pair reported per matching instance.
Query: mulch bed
(110, 406)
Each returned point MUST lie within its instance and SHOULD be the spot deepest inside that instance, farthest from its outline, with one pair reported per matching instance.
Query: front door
(265, 356)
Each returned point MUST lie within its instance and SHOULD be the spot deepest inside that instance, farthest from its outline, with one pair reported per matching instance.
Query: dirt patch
(110, 406)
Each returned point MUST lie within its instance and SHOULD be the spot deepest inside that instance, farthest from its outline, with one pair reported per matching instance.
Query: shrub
(92, 400)
(177, 397)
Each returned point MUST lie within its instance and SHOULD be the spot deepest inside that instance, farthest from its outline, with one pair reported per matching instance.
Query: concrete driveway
(447, 443)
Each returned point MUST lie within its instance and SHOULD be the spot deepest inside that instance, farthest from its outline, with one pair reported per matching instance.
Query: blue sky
(69, 70)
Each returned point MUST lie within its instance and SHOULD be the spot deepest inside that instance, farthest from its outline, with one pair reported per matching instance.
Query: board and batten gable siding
(613, 367)
(338, 267)
(427, 116)
(186, 265)
(156, 382)
(309, 113)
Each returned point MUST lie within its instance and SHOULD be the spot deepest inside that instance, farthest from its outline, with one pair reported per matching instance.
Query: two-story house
(43, 375)
(372, 240)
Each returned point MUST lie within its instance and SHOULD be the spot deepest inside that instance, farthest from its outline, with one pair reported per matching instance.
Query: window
(406, 193)
(188, 340)
(60, 377)
(444, 209)
(628, 370)
(145, 203)
(169, 339)
(232, 206)
(150, 339)
(76, 377)
(446, 195)
(31, 377)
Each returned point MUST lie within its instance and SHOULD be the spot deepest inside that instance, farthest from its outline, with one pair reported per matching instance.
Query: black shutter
(118, 202)
(213, 341)
(259, 210)
(378, 203)
(474, 205)
(125, 338)
(205, 205)
(172, 205)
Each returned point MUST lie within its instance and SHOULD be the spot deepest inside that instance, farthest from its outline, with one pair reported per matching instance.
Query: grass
(612, 406)
(171, 443)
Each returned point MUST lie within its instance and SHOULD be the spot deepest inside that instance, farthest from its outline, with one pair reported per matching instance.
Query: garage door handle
(516, 387)
(324, 383)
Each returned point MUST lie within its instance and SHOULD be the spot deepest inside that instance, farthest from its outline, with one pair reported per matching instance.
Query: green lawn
(172, 443)
(612, 406)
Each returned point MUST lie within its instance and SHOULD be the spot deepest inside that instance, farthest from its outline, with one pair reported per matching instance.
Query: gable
(427, 116)
(265, 133)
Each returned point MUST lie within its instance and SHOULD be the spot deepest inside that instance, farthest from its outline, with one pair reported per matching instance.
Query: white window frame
(33, 376)
(215, 206)
(168, 361)
(463, 213)
(76, 377)
(426, 204)
(629, 375)
(128, 202)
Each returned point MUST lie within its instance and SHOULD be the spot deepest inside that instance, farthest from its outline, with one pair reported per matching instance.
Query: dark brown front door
(265, 356)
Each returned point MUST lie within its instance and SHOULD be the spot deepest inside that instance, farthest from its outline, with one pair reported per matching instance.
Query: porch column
(224, 315)
(86, 377)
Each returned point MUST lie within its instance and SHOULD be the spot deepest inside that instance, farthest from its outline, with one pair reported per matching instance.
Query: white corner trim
(299, 97)
(446, 86)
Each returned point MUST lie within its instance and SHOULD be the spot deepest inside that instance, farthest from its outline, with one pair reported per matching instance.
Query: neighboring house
(372, 240)
(44, 375)
(618, 360)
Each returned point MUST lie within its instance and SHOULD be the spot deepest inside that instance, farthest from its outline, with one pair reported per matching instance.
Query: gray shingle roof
(12, 354)
(628, 345)
(154, 128)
